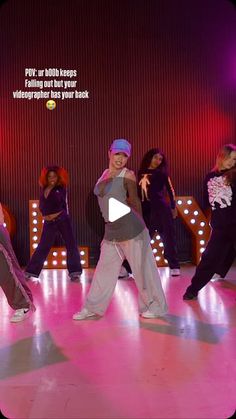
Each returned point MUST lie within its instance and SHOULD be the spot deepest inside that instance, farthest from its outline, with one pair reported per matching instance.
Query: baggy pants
(12, 278)
(60, 224)
(139, 254)
(220, 244)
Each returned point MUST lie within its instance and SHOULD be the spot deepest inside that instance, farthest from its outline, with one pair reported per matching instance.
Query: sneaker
(189, 296)
(216, 277)
(123, 273)
(75, 277)
(149, 315)
(175, 272)
(20, 315)
(83, 314)
(29, 276)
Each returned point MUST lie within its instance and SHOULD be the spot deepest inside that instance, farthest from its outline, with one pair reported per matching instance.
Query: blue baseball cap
(121, 146)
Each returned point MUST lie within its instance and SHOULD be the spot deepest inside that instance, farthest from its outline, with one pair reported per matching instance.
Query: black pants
(224, 265)
(60, 224)
(219, 246)
(159, 218)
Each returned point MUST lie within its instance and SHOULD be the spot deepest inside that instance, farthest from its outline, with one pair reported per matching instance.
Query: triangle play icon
(116, 209)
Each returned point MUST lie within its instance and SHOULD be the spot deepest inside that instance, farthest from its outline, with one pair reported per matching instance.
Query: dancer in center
(125, 238)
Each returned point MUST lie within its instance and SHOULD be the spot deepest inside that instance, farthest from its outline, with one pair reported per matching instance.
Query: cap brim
(118, 150)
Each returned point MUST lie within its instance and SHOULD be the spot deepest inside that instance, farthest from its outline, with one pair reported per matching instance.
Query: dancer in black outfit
(158, 215)
(220, 187)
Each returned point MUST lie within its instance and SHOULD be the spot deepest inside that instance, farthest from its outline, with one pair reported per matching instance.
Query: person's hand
(174, 212)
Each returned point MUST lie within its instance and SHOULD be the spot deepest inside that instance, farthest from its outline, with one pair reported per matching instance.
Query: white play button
(116, 209)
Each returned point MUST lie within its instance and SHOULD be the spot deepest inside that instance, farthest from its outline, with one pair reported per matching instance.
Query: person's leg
(224, 266)
(72, 253)
(140, 256)
(17, 293)
(47, 240)
(104, 280)
(125, 270)
(168, 237)
(13, 264)
(12, 280)
(217, 247)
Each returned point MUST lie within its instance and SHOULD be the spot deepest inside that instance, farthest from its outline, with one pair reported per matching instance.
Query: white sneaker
(123, 273)
(216, 277)
(175, 272)
(83, 314)
(148, 315)
(20, 315)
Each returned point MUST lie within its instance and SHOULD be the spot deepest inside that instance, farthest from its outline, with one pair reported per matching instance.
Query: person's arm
(64, 198)
(1, 215)
(131, 186)
(206, 203)
(171, 193)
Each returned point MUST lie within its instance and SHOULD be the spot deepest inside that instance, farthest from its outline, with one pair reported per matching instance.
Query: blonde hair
(223, 154)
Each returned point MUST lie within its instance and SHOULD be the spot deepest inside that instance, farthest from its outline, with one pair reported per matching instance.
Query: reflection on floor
(120, 366)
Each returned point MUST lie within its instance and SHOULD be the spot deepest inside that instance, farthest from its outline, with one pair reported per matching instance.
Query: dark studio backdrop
(159, 73)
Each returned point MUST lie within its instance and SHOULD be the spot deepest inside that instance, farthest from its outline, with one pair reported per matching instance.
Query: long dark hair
(146, 161)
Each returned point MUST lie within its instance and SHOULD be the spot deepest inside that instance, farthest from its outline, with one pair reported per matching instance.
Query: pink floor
(120, 366)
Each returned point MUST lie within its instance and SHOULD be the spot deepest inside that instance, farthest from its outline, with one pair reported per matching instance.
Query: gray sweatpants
(12, 278)
(139, 254)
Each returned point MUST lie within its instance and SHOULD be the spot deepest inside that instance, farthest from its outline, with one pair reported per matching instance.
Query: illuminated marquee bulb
(179, 202)
(45, 263)
(154, 250)
(82, 262)
(196, 212)
(189, 201)
(35, 238)
(63, 262)
(158, 237)
(200, 232)
(34, 213)
(82, 252)
(54, 253)
(152, 241)
(192, 221)
(35, 222)
(63, 253)
(186, 211)
(34, 245)
(202, 242)
(54, 262)
(34, 205)
(157, 258)
(35, 230)
(202, 223)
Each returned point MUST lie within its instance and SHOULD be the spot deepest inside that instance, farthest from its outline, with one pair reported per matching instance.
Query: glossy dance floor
(120, 366)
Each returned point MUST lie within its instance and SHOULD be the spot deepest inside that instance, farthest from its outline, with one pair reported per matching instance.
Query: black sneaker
(189, 296)
(75, 277)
